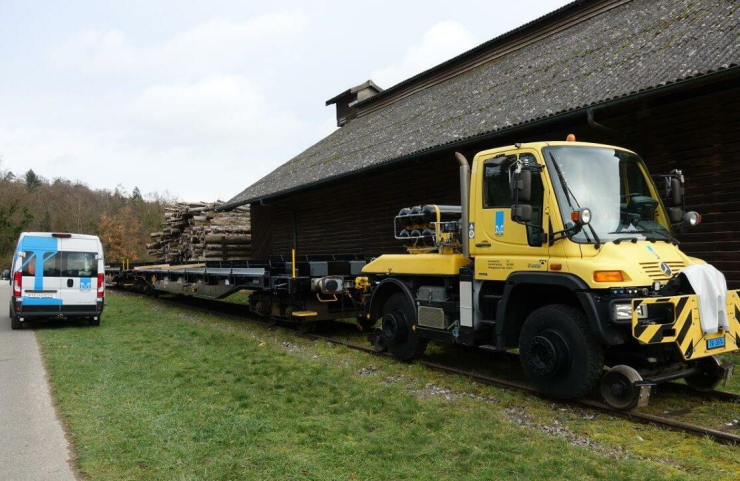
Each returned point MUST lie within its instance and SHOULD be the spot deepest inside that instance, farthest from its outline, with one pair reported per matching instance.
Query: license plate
(715, 343)
(40, 295)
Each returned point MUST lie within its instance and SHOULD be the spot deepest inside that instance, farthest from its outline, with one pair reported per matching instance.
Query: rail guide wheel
(623, 388)
(711, 373)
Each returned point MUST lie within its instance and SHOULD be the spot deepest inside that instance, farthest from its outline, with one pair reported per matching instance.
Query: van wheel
(399, 329)
(15, 321)
(93, 322)
(558, 352)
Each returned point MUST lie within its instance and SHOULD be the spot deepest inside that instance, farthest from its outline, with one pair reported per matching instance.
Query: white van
(57, 275)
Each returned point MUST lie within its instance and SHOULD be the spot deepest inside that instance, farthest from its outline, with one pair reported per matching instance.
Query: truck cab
(57, 276)
(565, 251)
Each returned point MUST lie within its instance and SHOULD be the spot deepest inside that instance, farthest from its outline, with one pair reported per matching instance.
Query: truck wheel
(399, 329)
(558, 352)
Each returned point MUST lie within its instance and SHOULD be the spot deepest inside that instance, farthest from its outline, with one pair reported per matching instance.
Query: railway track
(722, 437)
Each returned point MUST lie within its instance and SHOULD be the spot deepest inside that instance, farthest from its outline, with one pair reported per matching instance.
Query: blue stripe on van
(33, 301)
(40, 245)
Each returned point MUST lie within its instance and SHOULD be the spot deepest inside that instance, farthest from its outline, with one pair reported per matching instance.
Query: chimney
(347, 101)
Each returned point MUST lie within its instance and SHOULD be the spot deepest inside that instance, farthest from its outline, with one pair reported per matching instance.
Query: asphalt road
(32, 442)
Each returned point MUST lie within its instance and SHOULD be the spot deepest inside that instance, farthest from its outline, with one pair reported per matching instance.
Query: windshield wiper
(667, 236)
(569, 195)
(622, 239)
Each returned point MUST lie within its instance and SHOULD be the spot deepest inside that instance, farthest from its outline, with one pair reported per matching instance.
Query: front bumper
(678, 322)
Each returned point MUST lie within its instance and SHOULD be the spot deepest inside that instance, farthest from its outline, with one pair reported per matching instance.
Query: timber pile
(196, 232)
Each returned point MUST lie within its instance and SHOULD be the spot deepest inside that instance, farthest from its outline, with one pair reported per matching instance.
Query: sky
(197, 99)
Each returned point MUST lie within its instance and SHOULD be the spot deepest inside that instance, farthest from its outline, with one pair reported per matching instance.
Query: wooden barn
(661, 77)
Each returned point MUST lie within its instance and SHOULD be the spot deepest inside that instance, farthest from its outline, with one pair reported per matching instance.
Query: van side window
(29, 264)
(52, 264)
(79, 264)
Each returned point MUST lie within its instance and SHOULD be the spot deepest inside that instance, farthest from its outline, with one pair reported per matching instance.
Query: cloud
(216, 44)
(204, 140)
(218, 108)
(193, 114)
(441, 42)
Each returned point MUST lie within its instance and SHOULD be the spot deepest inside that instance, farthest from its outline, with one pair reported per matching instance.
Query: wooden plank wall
(699, 133)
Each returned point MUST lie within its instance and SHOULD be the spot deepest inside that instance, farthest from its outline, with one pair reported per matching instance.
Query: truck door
(79, 273)
(500, 245)
(40, 272)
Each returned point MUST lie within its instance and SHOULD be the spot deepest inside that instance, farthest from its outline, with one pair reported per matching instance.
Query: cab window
(497, 193)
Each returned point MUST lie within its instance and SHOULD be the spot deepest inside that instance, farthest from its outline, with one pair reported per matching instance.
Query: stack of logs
(196, 232)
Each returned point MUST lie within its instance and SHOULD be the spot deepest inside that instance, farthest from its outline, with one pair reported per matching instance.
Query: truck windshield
(614, 185)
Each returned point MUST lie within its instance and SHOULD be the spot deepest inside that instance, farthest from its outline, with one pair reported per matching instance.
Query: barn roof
(585, 54)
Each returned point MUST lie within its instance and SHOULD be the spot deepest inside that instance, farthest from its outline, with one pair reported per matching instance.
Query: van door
(40, 267)
(79, 275)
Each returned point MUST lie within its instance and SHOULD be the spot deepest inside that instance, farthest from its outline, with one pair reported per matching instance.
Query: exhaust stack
(464, 201)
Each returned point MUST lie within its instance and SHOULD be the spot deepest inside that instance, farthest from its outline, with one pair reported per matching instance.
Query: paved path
(32, 442)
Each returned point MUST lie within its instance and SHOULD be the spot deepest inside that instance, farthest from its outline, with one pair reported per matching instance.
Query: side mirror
(675, 215)
(676, 191)
(521, 213)
(521, 186)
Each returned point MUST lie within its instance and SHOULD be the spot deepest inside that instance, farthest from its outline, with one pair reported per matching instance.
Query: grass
(241, 297)
(165, 393)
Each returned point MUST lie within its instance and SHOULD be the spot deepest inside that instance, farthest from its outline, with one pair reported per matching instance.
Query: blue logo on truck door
(499, 223)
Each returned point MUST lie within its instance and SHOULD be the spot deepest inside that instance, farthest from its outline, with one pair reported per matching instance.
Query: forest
(29, 202)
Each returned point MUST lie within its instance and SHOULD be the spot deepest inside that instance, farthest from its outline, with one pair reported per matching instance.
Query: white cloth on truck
(711, 288)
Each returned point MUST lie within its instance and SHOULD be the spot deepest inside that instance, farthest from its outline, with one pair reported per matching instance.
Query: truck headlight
(623, 311)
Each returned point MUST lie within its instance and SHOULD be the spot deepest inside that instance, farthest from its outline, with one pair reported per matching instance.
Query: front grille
(653, 270)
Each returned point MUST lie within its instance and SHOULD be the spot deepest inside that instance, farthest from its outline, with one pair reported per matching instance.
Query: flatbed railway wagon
(562, 250)
(301, 290)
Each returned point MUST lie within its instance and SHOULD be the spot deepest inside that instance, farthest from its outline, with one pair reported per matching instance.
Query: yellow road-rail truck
(564, 251)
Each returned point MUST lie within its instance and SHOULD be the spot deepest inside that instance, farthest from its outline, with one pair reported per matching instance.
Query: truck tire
(559, 353)
(399, 328)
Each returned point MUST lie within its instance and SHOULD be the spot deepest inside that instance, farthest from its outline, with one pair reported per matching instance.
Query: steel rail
(715, 435)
